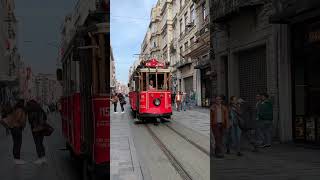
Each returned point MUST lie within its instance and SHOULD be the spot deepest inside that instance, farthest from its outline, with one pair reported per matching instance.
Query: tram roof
(154, 70)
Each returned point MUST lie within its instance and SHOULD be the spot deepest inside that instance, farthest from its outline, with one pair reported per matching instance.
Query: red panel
(69, 119)
(133, 100)
(101, 110)
(63, 116)
(147, 105)
(76, 123)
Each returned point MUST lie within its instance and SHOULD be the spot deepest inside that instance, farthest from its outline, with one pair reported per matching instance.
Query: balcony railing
(224, 8)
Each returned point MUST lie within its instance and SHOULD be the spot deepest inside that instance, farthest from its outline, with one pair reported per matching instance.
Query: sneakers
(115, 112)
(19, 162)
(122, 112)
(40, 161)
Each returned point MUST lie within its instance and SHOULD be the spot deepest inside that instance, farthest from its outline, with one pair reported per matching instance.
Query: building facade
(179, 33)
(47, 89)
(113, 79)
(9, 57)
(270, 46)
(297, 29)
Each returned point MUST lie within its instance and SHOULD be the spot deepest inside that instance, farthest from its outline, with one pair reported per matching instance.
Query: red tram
(150, 92)
(85, 107)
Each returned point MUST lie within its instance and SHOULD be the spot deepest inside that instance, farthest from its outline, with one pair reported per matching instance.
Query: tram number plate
(103, 142)
(104, 111)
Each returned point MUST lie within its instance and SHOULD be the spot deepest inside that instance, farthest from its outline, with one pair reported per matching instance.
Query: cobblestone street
(136, 156)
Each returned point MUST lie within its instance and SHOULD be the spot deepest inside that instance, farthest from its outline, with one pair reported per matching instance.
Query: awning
(298, 12)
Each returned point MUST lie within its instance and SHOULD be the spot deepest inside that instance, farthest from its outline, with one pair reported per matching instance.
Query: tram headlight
(157, 102)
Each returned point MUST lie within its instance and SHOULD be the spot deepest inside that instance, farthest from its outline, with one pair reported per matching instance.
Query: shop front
(205, 78)
(306, 81)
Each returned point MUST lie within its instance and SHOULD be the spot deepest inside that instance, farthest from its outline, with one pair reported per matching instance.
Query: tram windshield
(155, 81)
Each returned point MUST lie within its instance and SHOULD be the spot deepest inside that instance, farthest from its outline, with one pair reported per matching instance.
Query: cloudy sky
(129, 22)
(39, 28)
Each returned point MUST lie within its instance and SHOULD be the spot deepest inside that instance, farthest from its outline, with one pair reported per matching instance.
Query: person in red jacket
(219, 118)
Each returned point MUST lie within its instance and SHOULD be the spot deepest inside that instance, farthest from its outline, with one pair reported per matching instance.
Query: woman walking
(114, 101)
(235, 131)
(37, 118)
(219, 124)
(16, 122)
(122, 102)
(178, 100)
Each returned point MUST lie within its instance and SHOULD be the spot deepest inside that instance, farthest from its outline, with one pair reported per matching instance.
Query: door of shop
(188, 84)
(205, 87)
(252, 74)
(306, 85)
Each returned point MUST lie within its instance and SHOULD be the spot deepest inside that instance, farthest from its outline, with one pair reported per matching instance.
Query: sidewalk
(280, 162)
(197, 119)
(58, 167)
(124, 160)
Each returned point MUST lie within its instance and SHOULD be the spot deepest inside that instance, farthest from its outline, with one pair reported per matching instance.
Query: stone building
(179, 33)
(270, 46)
(9, 56)
(113, 79)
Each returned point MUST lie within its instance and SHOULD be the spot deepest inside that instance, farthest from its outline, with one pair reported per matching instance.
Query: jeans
(17, 141)
(122, 107)
(236, 136)
(233, 137)
(218, 138)
(265, 132)
(183, 106)
(115, 106)
(38, 141)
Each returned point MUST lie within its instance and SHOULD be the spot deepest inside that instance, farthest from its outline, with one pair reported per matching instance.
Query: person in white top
(151, 86)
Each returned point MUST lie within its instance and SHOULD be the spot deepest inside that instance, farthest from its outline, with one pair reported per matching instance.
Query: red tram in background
(150, 92)
(85, 104)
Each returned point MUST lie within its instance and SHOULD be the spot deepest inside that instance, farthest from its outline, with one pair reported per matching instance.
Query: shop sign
(314, 36)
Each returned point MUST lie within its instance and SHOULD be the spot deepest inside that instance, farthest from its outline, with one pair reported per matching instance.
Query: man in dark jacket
(265, 120)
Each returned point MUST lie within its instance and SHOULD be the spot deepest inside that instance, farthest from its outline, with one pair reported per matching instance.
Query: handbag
(44, 129)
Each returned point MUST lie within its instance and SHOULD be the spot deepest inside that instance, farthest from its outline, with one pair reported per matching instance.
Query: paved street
(136, 155)
(124, 160)
(59, 166)
(197, 119)
(281, 162)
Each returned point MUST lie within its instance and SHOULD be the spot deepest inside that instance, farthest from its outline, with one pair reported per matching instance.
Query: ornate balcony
(223, 9)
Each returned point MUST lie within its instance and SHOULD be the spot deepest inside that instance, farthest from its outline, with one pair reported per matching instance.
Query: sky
(129, 23)
(39, 25)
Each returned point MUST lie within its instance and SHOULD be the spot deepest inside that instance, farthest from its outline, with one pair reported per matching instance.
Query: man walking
(219, 118)
(265, 119)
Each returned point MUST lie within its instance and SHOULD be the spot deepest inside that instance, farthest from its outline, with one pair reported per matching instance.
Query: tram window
(161, 85)
(144, 82)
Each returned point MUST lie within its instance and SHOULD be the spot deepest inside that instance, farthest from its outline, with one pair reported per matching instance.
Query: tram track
(172, 159)
(188, 140)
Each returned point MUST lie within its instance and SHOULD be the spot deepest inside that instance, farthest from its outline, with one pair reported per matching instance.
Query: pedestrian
(219, 124)
(16, 122)
(192, 99)
(184, 101)
(114, 100)
(173, 99)
(265, 120)
(122, 101)
(234, 129)
(6, 109)
(178, 100)
(37, 118)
